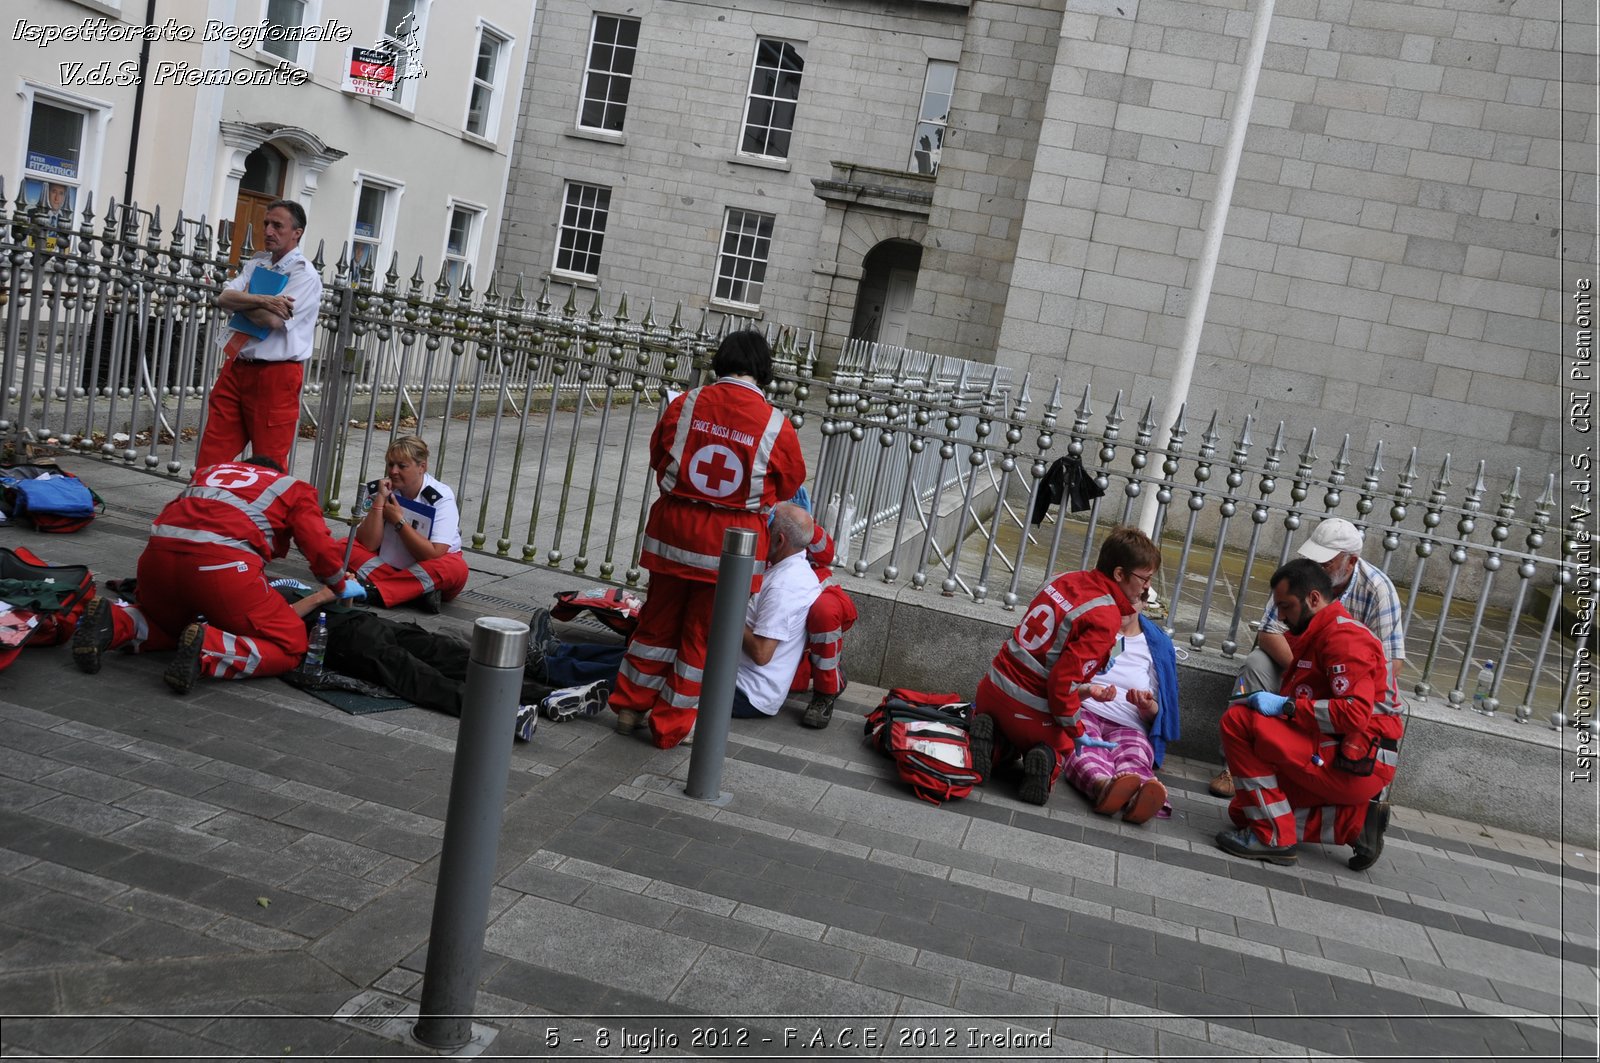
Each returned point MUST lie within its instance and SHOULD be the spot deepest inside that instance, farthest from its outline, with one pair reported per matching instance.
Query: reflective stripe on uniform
(679, 701)
(196, 535)
(826, 636)
(1324, 714)
(1330, 823)
(631, 673)
(689, 558)
(648, 652)
(1264, 811)
(1016, 693)
(1022, 658)
(688, 673)
(678, 555)
(1256, 782)
(680, 438)
(245, 662)
(760, 460)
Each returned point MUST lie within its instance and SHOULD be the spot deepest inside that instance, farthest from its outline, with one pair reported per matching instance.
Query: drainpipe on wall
(1211, 249)
(138, 102)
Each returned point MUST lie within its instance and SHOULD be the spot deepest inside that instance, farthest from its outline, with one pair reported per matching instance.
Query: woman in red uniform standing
(722, 458)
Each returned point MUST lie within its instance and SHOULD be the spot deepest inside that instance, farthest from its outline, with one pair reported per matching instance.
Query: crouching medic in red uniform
(1314, 761)
(204, 560)
(723, 457)
(1028, 703)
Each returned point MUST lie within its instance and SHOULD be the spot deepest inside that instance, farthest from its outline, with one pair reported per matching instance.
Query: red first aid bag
(46, 600)
(926, 737)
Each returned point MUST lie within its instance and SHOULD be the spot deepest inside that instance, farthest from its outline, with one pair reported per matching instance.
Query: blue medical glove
(1085, 742)
(1267, 703)
(802, 499)
(353, 591)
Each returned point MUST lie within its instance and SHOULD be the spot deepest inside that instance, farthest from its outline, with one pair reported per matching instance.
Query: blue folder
(263, 281)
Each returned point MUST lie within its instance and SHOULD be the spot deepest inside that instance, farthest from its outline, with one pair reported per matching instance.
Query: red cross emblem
(715, 470)
(1037, 627)
(229, 477)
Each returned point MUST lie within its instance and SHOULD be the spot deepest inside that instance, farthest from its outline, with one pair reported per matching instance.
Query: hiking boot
(431, 602)
(1150, 799)
(819, 712)
(628, 720)
(1116, 794)
(1038, 771)
(184, 671)
(1243, 842)
(1222, 785)
(527, 722)
(93, 636)
(1369, 845)
(980, 740)
(569, 703)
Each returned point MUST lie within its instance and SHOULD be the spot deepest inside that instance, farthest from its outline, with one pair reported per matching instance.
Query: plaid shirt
(1370, 597)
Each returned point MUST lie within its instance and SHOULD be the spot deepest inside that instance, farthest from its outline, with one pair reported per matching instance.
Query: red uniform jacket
(819, 554)
(252, 511)
(722, 457)
(1065, 639)
(1340, 684)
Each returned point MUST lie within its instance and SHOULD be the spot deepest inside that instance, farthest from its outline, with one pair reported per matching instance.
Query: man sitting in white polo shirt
(775, 622)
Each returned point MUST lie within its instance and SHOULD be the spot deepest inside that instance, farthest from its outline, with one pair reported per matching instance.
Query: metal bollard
(722, 664)
(472, 832)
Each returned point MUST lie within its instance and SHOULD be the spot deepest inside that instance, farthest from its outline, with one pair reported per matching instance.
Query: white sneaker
(527, 722)
(565, 704)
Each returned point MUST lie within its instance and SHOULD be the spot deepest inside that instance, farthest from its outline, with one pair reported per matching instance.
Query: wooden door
(250, 213)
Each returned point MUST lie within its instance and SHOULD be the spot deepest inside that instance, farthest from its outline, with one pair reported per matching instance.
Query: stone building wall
(1410, 193)
(676, 167)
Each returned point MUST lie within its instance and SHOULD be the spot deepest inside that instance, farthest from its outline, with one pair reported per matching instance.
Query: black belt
(266, 361)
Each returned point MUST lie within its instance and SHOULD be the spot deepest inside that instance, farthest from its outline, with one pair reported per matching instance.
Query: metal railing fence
(927, 469)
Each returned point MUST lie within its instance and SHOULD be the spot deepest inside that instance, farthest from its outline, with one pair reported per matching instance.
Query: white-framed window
(377, 202)
(405, 25)
(61, 151)
(488, 71)
(584, 212)
(927, 140)
(462, 226)
(742, 262)
(289, 15)
(613, 45)
(774, 92)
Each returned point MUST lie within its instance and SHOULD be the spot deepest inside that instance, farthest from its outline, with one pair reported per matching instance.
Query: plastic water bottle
(1485, 683)
(317, 651)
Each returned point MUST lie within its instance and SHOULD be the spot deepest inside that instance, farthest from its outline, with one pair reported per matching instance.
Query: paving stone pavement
(217, 875)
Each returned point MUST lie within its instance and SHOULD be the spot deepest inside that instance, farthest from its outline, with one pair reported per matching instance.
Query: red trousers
(447, 574)
(822, 668)
(256, 403)
(1019, 730)
(251, 631)
(1279, 793)
(666, 657)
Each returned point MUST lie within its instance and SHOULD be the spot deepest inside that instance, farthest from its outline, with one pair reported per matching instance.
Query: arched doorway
(883, 297)
(261, 184)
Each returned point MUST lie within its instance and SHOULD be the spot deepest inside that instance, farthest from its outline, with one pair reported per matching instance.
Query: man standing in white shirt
(256, 398)
(775, 621)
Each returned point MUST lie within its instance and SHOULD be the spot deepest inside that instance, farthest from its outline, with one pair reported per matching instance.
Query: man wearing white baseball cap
(1361, 587)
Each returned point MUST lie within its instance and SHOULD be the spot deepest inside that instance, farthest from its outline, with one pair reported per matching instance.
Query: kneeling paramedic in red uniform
(723, 457)
(204, 560)
(1028, 703)
(1312, 762)
(831, 615)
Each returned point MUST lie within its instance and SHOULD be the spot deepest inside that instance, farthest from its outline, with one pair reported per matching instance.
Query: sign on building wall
(370, 72)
